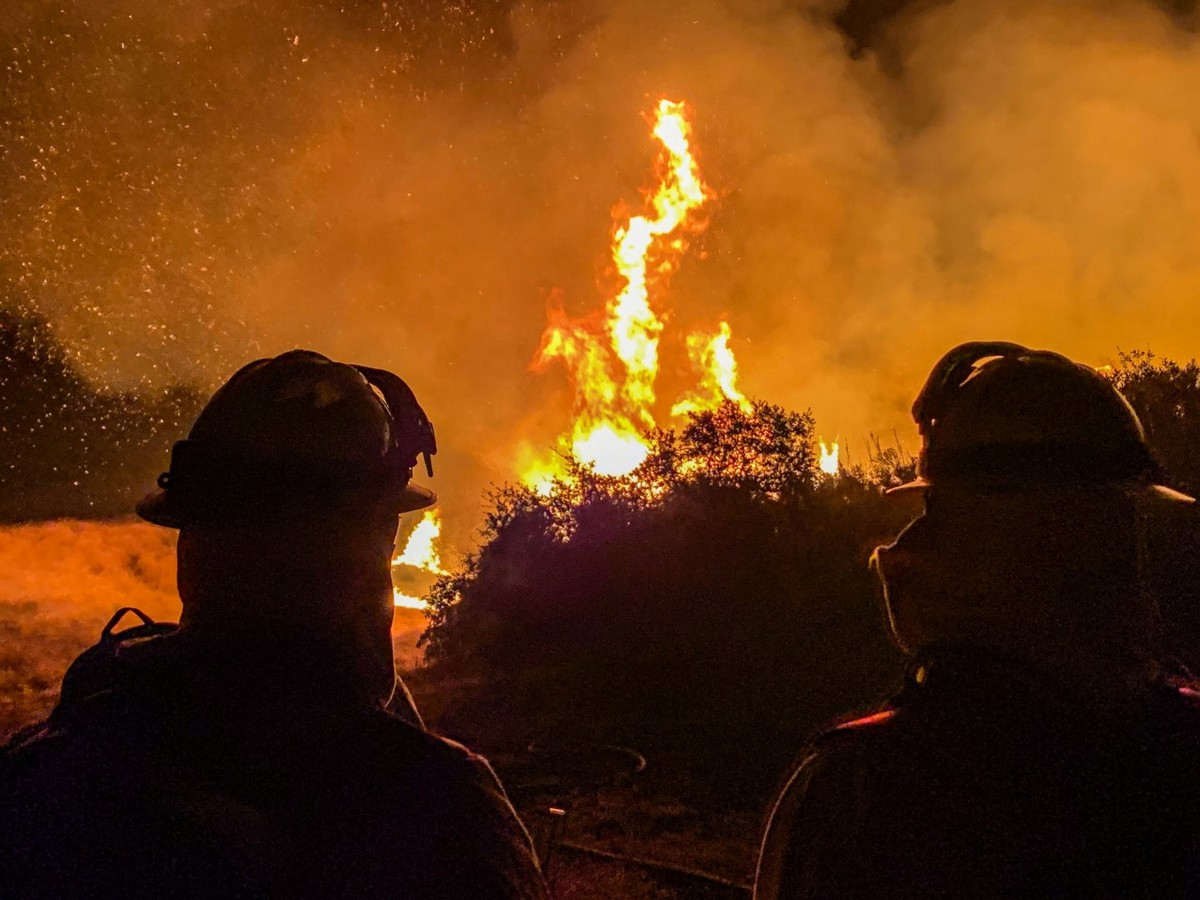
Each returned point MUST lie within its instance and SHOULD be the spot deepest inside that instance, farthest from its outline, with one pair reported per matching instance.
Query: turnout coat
(172, 770)
(979, 780)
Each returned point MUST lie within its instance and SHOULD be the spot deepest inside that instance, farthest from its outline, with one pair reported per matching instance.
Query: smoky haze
(191, 183)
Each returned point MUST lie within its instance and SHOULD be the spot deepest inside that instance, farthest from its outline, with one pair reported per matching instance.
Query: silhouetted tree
(65, 448)
(715, 600)
(1166, 395)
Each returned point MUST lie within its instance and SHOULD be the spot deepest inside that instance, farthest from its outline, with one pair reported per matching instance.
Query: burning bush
(716, 597)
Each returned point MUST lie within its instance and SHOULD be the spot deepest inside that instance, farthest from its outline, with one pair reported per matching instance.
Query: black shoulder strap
(115, 620)
(97, 671)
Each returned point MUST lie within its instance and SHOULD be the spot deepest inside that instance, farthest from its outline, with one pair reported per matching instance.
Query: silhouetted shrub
(1166, 395)
(715, 601)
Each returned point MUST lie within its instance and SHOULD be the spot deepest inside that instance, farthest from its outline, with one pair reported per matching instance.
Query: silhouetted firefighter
(247, 752)
(1037, 749)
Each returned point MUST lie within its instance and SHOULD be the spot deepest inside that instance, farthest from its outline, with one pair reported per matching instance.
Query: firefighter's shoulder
(860, 728)
(428, 763)
(403, 741)
(1186, 690)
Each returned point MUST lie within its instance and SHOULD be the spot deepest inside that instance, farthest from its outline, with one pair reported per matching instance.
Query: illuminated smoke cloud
(188, 184)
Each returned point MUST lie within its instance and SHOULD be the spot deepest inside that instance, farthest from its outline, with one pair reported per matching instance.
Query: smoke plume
(189, 184)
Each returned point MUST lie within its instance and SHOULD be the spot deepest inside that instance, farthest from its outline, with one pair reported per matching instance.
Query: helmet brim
(1164, 494)
(416, 496)
(159, 508)
(917, 485)
(156, 507)
(1157, 493)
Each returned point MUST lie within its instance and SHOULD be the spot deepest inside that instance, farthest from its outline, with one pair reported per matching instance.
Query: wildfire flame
(828, 462)
(409, 601)
(712, 356)
(612, 359)
(420, 553)
(632, 324)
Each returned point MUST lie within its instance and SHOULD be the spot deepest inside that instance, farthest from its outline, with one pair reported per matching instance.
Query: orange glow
(538, 468)
(612, 448)
(408, 601)
(828, 462)
(421, 554)
(613, 360)
(420, 551)
(713, 357)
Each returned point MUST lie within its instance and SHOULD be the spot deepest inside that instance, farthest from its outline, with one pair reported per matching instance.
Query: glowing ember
(420, 553)
(828, 462)
(613, 361)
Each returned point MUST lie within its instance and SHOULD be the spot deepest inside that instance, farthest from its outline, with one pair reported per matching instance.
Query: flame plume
(613, 361)
(420, 551)
(603, 435)
(633, 325)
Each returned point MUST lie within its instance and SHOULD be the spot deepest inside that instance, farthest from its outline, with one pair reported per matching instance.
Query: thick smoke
(188, 184)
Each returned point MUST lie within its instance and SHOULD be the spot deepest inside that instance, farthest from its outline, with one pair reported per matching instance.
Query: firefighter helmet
(293, 434)
(997, 416)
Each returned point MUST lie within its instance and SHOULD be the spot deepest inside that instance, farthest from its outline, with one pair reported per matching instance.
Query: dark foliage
(717, 602)
(67, 449)
(1166, 395)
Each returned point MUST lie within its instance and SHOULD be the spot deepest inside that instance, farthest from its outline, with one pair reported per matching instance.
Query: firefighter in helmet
(264, 747)
(1037, 748)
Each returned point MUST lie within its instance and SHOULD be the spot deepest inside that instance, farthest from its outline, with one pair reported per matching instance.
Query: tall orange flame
(613, 361)
(632, 324)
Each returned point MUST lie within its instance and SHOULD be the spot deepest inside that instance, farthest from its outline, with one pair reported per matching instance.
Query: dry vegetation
(61, 581)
